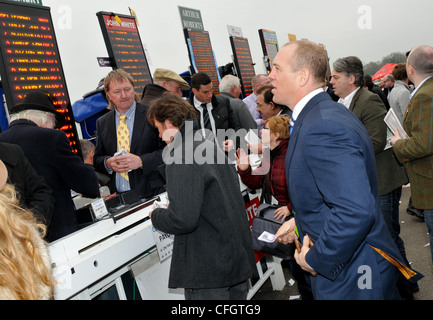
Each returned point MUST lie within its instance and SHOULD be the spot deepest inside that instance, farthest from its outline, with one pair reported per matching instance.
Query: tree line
(372, 67)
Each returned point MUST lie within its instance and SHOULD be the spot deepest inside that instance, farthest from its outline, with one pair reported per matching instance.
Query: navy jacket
(332, 181)
(50, 153)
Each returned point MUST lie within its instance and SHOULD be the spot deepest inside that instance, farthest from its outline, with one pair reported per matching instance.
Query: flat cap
(166, 75)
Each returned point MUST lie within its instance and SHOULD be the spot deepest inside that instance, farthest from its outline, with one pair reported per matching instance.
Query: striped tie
(123, 139)
(292, 125)
(206, 119)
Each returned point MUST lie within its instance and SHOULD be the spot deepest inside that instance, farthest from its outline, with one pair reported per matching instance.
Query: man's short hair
(228, 82)
(259, 80)
(389, 77)
(86, 147)
(117, 75)
(368, 82)
(200, 79)
(421, 59)
(309, 55)
(352, 66)
(399, 72)
(268, 96)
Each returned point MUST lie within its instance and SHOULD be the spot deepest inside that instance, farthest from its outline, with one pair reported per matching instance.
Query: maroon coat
(275, 178)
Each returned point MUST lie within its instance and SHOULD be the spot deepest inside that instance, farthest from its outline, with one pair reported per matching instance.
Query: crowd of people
(328, 161)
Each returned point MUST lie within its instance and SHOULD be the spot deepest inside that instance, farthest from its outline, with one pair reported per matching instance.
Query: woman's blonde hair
(25, 270)
(280, 124)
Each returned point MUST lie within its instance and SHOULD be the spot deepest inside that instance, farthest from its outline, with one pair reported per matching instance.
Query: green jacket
(369, 108)
(417, 152)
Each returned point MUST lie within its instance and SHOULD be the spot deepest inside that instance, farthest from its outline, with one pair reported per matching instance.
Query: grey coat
(399, 99)
(241, 112)
(212, 245)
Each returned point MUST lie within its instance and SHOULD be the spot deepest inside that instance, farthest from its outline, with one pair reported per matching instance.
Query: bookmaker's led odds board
(124, 47)
(30, 60)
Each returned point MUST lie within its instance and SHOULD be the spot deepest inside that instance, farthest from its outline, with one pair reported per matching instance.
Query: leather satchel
(265, 221)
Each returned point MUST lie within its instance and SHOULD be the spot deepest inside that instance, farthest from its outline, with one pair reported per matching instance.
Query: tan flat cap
(166, 75)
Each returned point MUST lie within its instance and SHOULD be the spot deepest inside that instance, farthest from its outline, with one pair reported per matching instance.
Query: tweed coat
(417, 152)
(369, 108)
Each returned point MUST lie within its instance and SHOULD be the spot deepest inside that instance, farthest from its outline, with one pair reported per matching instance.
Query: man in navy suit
(141, 163)
(332, 182)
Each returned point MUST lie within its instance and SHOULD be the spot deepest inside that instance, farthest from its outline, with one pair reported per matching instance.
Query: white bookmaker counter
(103, 260)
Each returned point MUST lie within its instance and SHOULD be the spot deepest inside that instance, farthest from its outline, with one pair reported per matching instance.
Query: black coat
(33, 191)
(50, 153)
(151, 92)
(146, 144)
(222, 113)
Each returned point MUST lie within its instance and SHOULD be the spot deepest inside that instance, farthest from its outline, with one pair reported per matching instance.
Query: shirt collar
(198, 104)
(420, 85)
(303, 102)
(348, 100)
(128, 113)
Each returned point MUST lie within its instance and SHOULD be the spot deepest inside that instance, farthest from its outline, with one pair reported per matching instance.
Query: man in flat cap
(164, 80)
(50, 153)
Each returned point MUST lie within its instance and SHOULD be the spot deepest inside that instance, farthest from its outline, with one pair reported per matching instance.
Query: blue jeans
(389, 203)
(428, 218)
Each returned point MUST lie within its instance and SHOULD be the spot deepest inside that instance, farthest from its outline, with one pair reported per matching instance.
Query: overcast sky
(367, 29)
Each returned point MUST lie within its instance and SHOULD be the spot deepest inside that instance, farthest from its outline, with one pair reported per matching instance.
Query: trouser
(389, 204)
(428, 218)
(237, 292)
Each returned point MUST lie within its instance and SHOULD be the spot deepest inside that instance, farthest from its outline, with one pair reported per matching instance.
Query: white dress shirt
(348, 100)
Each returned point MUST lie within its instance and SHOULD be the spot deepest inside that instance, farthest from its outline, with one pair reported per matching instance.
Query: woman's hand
(282, 213)
(242, 159)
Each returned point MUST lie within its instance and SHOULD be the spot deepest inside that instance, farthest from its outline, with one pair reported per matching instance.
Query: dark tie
(206, 119)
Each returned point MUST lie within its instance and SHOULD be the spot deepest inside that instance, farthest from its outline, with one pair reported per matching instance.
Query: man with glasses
(388, 84)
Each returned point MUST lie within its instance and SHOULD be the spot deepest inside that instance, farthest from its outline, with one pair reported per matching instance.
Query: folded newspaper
(393, 123)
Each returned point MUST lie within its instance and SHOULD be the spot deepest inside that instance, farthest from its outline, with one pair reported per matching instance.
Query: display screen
(125, 48)
(269, 43)
(244, 63)
(201, 55)
(30, 61)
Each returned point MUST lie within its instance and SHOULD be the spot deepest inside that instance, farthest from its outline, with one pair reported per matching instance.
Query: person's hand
(228, 145)
(282, 213)
(125, 163)
(300, 255)
(286, 234)
(242, 159)
(255, 147)
(396, 137)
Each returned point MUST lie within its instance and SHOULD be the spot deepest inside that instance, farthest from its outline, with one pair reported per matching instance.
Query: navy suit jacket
(332, 181)
(145, 143)
(50, 153)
